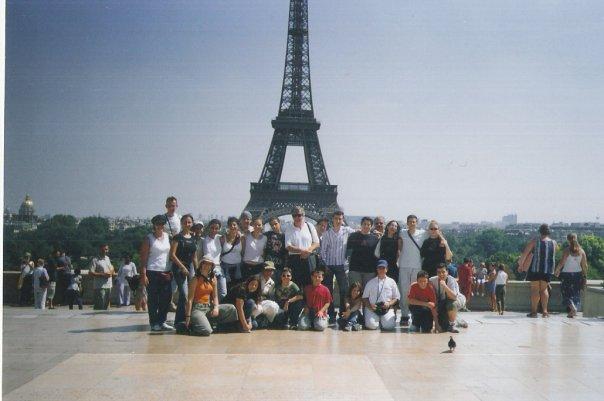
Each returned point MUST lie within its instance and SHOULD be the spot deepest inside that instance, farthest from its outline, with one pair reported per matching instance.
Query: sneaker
(347, 328)
(357, 327)
(404, 322)
(286, 326)
(531, 315)
(156, 327)
(166, 327)
(452, 329)
(462, 323)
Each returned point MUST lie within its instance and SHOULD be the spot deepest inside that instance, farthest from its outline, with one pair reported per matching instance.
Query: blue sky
(461, 110)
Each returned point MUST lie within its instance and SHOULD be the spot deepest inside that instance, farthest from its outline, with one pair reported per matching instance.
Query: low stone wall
(594, 302)
(517, 296)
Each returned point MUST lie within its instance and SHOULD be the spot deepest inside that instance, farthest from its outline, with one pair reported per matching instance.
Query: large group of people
(246, 279)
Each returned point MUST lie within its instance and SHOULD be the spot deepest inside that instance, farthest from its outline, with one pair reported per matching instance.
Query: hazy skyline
(459, 111)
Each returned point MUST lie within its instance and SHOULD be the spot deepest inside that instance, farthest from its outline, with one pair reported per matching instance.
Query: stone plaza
(67, 354)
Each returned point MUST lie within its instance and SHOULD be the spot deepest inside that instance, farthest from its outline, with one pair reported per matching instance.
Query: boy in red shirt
(317, 299)
(422, 303)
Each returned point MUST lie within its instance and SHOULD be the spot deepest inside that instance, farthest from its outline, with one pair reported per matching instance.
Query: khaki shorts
(52, 288)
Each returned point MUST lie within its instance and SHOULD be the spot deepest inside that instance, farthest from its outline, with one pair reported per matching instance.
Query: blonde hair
(573, 245)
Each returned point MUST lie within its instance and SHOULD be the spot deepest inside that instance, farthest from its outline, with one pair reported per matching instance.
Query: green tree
(594, 250)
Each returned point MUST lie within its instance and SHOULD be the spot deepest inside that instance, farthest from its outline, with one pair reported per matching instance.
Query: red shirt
(316, 297)
(425, 295)
(465, 273)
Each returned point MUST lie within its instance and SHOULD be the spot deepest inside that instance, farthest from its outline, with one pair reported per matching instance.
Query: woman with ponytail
(572, 271)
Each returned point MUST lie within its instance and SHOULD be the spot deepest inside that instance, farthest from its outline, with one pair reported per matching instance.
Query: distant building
(509, 220)
(25, 220)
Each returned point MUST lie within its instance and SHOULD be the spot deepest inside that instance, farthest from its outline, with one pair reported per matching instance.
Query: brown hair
(573, 245)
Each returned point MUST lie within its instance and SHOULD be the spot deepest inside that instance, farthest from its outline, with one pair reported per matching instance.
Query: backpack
(43, 282)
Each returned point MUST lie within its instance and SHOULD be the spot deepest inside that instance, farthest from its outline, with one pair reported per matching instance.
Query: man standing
(173, 219)
(448, 299)
(362, 259)
(409, 262)
(321, 227)
(379, 296)
(301, 240)
(379, 226)
(275, 246)
(244, 222)
(102, 272)
(333, 253)
(25, 280)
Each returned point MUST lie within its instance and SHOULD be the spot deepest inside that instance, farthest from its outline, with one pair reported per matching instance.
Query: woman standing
(572, 271)
(212, 246)
(230, 258)
(253, 250)
(389, 248)
(489, 286)
(435, 249)
(542, 254)
(156, 274)
(183, 255)
(203, 307)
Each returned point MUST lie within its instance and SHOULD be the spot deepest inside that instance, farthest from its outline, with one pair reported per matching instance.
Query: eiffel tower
(295, 125)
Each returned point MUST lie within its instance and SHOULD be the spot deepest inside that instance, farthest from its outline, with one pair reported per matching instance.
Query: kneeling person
(317, 299)
(448, 299)
(203, 308)
(422, 303)
(379, 296)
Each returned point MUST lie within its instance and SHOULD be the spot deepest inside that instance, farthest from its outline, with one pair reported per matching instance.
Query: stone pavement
(86, 355)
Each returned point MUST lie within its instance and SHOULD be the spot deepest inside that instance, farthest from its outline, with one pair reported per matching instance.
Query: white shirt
(502, 278)
(381, 290)
(233, 257)
(333, 246)
(301, 237)
(451, 283)
(128, 270)
(172, 226)
(572, 264)
(213, 247)
(159, 248)
(268, 287)
(254, 248)
(410, 257)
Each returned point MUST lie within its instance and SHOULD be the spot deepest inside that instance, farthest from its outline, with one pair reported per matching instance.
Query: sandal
(531, 315)
(545, 314)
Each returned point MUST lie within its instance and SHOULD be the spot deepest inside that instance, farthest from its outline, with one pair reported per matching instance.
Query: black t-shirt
(362, 258)
(432, 254)
(51, 268)
(275, 250)
(186, 248)
(388, 251)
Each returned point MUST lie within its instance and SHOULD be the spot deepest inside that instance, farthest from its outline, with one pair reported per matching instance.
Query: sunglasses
(434, 229)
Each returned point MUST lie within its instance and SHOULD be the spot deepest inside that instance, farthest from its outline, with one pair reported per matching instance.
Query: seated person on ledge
(422, 303)
(379, 296)
(448, 299)
(317, 299)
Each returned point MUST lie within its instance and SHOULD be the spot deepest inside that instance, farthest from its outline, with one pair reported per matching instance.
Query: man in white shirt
(410, 262)
(172, 226)
(333, 253)
(379, 296)
(448, 299)
(301, 240)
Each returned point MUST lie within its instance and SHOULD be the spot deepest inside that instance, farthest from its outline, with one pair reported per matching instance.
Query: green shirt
(283, 293)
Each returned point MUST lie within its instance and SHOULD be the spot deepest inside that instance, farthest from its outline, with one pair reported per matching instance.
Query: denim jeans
(73, 296)
(311, 321)
(40, 298)
(232, 272)
(183, 290)
(159, 294)
(570, 287)
(355, 318)
(339, 271)
(290, 316)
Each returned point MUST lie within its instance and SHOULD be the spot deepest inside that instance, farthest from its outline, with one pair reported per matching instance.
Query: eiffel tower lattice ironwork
(295, 125)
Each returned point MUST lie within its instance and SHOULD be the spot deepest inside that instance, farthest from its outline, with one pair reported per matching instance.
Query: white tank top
(159, 248)
(233, 257)
(572, 264)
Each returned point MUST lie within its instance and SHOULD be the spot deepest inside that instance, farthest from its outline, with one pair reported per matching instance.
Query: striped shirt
(333, 246)
(544, 256)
